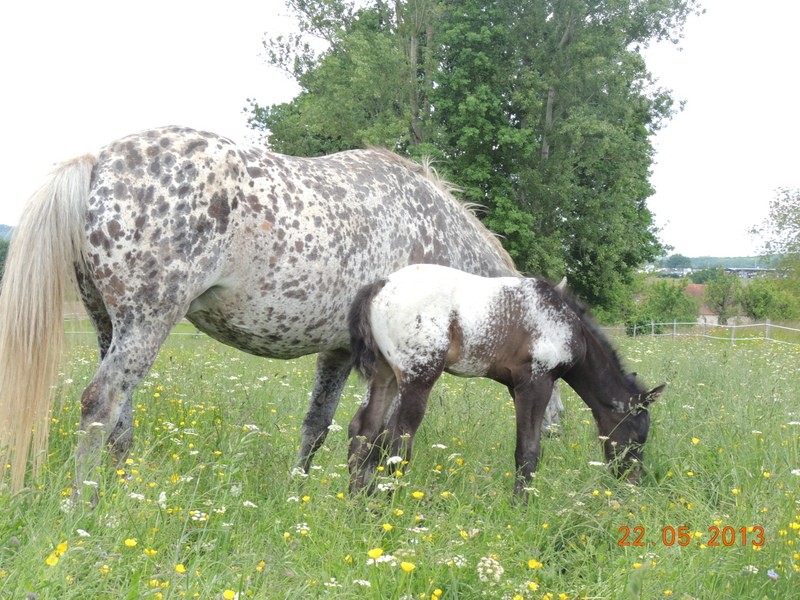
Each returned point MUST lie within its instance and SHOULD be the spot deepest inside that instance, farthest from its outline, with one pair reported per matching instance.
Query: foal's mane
(592, 330)
(428, 171)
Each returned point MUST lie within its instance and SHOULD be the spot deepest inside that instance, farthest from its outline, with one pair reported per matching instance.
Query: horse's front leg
(333, 368)
(531, 396)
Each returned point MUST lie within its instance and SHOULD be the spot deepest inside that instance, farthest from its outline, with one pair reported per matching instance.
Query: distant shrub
(768, 299)
(663, 302)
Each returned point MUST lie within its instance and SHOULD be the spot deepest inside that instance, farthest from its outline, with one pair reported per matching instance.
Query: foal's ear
(653, 395)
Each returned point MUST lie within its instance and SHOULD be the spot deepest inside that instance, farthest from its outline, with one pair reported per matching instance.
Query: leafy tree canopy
(781, 233)
(541, 111)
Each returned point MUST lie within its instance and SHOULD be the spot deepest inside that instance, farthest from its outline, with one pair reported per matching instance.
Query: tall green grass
(208, 507)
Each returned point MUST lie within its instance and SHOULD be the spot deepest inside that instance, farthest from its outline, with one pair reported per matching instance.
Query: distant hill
(698, 263)
(5, 232)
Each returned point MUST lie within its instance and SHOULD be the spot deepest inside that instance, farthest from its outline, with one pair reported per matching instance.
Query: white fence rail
(766, 331)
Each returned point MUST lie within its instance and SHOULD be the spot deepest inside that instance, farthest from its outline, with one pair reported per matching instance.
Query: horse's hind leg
(106, 414)
(121, 437)
(333, 368)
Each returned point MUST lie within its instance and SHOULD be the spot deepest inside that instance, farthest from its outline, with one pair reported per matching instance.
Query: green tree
(704, 275)
(3, 252)
(369, 87)
(767, 298)
(780, 232)
(722, 293)
(678, 261)
(663, 302)
(541, 111)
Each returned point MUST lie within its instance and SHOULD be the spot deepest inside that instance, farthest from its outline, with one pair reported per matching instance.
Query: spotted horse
(261, 251)
(408, 328)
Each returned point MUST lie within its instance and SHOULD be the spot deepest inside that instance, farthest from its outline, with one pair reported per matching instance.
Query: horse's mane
(428, 171)
(592, 329)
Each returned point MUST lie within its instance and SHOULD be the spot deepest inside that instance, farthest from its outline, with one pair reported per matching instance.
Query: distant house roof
(698, 291)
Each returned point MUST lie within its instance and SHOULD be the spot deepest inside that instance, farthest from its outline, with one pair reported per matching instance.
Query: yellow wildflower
(534, 564)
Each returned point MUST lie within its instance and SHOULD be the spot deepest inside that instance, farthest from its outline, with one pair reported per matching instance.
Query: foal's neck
(598, 379)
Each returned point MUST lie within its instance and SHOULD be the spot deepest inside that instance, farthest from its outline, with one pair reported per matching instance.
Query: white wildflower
(750, 570)
(457, 561)
(490, 570)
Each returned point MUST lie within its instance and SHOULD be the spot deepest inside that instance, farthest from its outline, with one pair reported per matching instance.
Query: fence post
(733, 334)
(674, 329)
(652, 328)
(767, 332)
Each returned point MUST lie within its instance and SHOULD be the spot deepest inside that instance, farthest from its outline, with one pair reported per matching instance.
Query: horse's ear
(562, 285)
(653, 395)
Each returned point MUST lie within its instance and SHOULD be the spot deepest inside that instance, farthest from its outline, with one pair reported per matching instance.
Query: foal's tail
(363, 349)
(45, 250)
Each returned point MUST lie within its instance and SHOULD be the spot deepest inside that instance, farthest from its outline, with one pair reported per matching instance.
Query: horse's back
(264, 251)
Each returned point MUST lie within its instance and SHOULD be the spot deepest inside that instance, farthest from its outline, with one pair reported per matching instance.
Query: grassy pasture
(207, 506)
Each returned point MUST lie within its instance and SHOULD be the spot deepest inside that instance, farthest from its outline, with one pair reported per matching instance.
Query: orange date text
(682, 535)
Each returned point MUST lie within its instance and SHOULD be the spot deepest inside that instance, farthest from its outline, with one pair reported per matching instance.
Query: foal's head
(624, 433)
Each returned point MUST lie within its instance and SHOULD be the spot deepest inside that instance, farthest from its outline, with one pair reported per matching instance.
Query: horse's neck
(597, 378)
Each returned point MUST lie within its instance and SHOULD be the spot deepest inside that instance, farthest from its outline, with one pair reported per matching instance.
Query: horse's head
(624, 441)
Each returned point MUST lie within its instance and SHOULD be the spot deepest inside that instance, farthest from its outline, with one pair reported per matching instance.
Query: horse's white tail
(40, 268)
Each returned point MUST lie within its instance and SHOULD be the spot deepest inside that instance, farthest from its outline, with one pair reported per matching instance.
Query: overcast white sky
(76, 75)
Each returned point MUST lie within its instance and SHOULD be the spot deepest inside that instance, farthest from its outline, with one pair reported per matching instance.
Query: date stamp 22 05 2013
(683, 535)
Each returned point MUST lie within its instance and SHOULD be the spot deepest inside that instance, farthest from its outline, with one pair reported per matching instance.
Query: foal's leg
(531, 396)
(368, 427)
(403, 427)
(333, 368)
